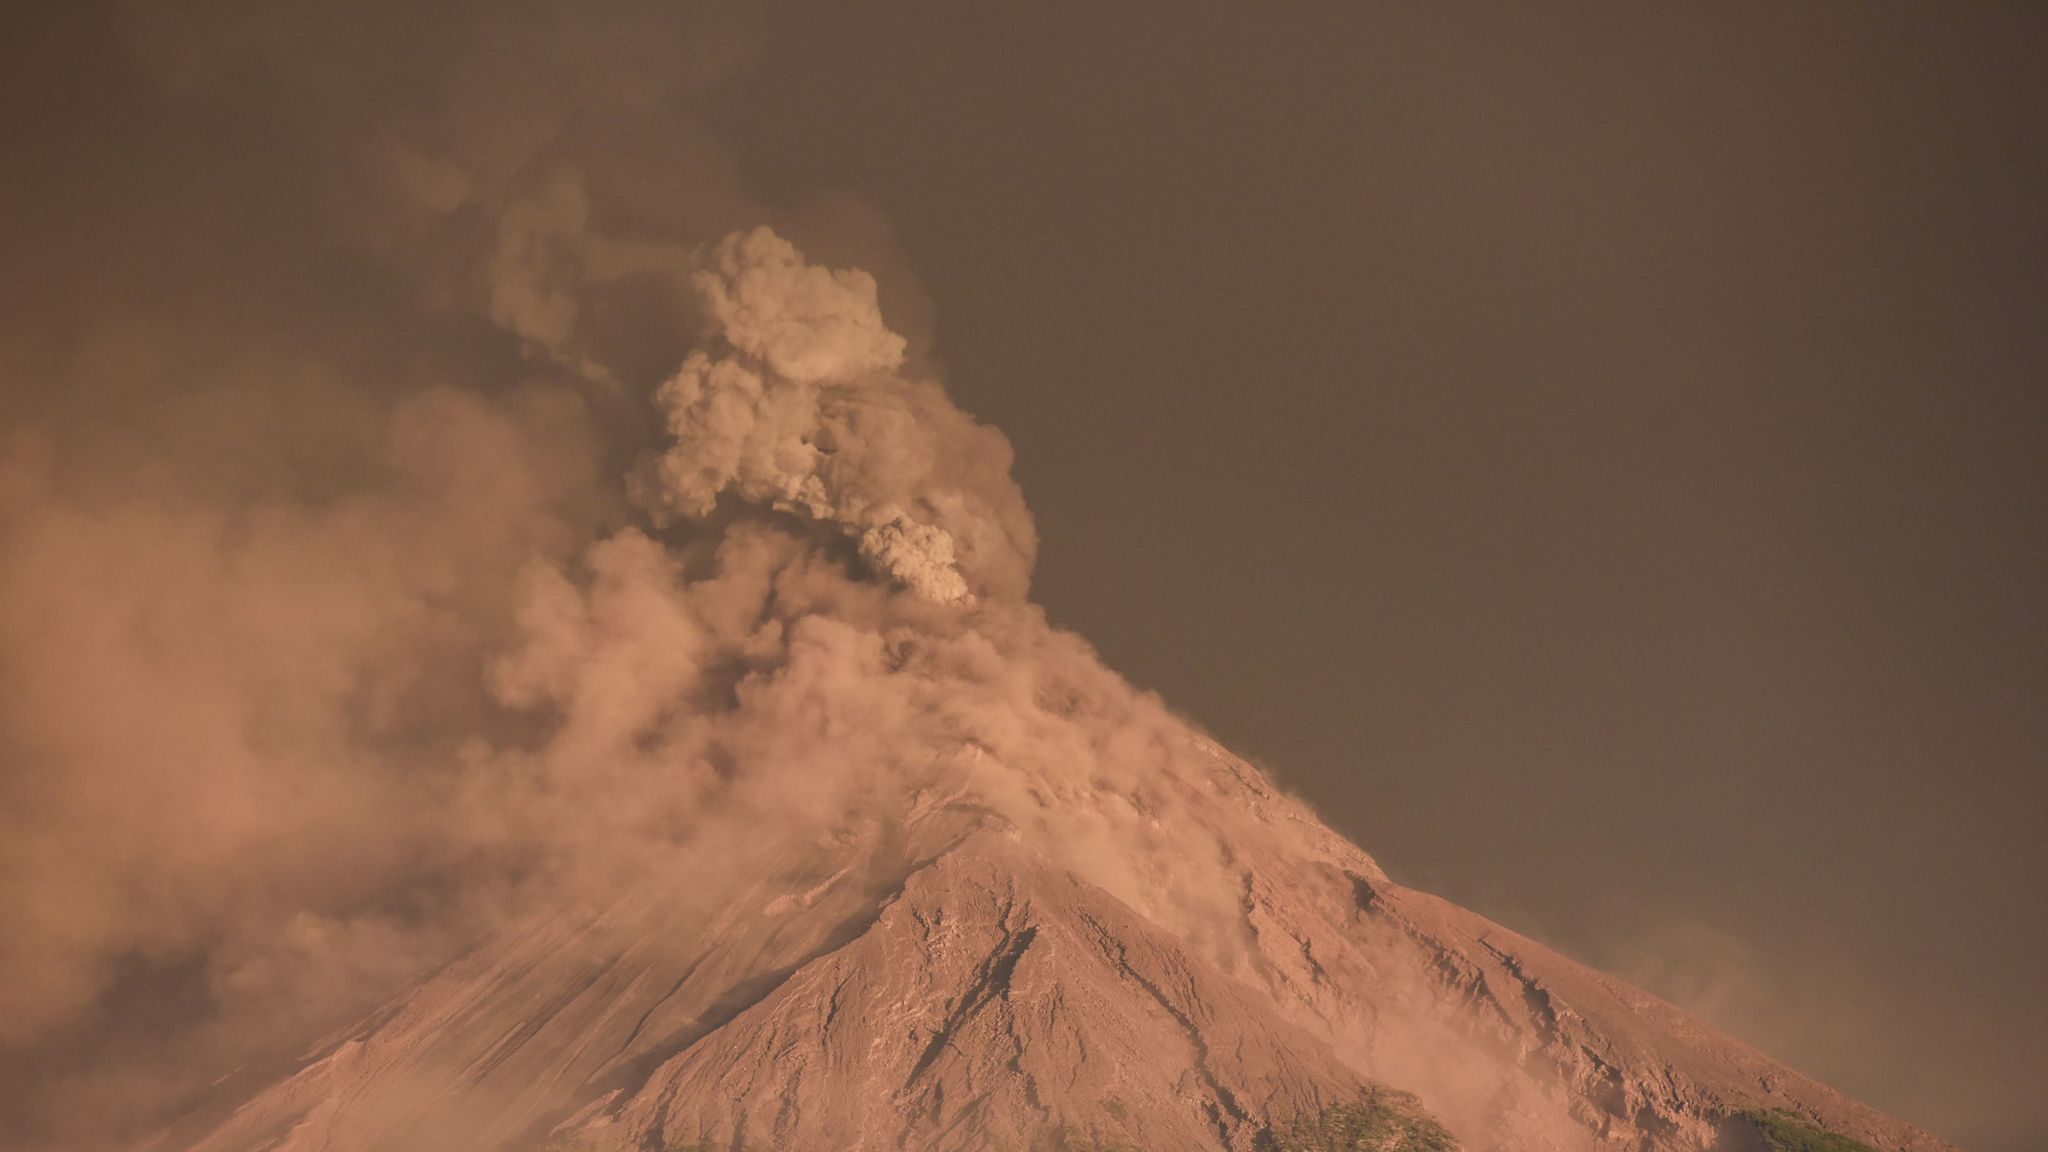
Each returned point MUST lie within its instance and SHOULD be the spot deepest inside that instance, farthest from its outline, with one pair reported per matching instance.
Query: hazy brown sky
(1595, 453)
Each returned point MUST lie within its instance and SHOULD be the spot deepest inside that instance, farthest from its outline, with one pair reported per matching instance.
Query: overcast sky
(1594, 452)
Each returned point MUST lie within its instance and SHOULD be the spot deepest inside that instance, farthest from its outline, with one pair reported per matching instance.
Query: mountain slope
(950, 987)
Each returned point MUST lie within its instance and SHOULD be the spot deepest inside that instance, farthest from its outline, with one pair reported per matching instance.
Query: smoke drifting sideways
(476, 518)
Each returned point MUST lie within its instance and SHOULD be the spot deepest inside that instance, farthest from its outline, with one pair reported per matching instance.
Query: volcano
(509, 643)
(952, 986)
(822, 837)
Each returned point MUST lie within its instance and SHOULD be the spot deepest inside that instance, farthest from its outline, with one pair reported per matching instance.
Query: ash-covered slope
(955, 988)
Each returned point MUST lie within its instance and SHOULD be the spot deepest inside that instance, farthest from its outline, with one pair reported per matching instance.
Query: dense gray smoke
(489, 518)
(804, 408)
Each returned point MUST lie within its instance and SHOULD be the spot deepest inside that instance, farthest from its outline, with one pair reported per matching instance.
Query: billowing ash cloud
(482, 513)
(802, 405)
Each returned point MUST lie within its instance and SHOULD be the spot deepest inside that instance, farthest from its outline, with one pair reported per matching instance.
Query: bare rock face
(951, 987)
(991, 1004)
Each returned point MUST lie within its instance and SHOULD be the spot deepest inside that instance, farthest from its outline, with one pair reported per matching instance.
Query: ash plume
(572, 530)
(803, 407)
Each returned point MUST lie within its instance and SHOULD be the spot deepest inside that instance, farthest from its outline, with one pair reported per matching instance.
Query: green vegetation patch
(1790, 1132)
(1384, 1121)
